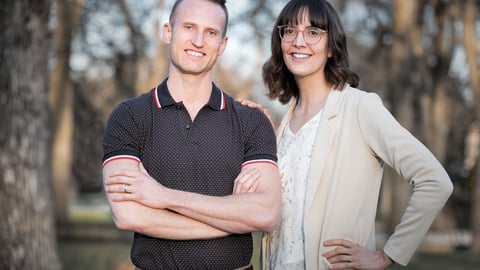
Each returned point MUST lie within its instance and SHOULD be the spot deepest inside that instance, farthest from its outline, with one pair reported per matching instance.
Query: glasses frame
(281, 29)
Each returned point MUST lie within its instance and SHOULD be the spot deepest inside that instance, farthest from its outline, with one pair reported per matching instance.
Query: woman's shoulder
(360, 96)
(354, 92)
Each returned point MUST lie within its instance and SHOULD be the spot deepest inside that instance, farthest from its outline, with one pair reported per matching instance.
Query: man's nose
(198, 39)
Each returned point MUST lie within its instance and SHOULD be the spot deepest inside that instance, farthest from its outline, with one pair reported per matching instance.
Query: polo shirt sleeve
(260, 143)
(122, 135)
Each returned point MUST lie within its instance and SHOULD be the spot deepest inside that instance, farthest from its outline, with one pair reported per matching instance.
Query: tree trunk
(127, 65)
(400, 96)
(27, 234)
(150, 75)
(61, 107)
(437, 124)
(475, 247)
(471, 49)
(437, 101)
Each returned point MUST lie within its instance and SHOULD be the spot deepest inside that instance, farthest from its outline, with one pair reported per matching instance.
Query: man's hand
(139, 186)
(348, 255)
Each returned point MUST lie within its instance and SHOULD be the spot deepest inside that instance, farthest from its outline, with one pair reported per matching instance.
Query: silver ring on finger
(125, 188)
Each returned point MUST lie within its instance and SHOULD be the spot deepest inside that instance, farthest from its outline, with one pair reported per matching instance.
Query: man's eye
(212, 33)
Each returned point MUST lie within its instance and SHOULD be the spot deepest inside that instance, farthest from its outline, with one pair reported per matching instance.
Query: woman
(332, 147)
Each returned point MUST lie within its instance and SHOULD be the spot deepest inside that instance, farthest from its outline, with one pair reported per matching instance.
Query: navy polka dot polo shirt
(202, 156)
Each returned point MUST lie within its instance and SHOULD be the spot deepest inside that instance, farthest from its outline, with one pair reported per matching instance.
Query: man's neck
(190, 88)
(194, 91)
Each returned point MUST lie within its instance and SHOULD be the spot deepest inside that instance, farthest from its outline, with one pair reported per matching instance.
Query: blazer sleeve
(431, 185)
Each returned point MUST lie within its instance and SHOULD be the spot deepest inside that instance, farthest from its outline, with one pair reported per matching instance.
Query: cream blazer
(356, 136)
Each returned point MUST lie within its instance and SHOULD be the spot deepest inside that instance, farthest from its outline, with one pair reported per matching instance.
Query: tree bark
(127, 65)
(61, 107)
(400, 96)
(152, 71)
(27, 234)
(437, 100)
(471, 49)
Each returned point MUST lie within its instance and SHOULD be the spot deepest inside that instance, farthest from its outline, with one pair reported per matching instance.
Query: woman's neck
(312, 95)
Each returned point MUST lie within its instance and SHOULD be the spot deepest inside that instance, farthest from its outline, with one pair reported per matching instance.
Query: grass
(92, 224)
(91, 255)
(443, 261)
(113, 255)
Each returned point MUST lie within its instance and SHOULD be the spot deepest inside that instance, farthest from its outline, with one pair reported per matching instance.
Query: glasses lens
(312, 35)
(287, 33)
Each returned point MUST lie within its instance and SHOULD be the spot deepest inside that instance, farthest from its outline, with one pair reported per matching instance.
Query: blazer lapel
(326, 132)
(323, 141)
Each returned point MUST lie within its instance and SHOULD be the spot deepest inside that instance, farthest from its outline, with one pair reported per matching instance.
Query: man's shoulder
(245, 112)
(251, 118)
(141, 100)
(135, 107)
(141, 103)
(246, 115)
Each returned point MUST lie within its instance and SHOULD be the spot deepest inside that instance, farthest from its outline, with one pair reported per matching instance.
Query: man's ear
(223, 45)
(167, 33)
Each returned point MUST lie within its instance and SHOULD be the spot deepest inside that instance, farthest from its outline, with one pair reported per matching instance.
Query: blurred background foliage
(66, 63)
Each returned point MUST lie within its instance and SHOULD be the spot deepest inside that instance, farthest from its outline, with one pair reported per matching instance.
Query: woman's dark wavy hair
(279, 79)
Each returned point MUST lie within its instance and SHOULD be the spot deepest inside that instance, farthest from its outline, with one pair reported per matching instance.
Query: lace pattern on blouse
(294, 154)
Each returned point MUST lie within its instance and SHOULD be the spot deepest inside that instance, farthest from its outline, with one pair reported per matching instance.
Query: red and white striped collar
(162, 97)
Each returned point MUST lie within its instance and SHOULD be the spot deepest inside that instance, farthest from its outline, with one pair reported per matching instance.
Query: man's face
(196, 36)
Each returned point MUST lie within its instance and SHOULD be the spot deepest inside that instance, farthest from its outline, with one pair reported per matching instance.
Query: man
(186, 168)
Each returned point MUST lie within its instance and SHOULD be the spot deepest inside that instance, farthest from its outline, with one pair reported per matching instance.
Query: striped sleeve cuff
(110, 159)
(269, 161)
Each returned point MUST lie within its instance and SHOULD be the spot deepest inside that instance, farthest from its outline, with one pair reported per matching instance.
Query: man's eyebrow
(207, 27)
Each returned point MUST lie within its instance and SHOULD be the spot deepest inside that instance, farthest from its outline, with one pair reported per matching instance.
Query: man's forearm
(239, 213)
(161, 223)
(229, 213)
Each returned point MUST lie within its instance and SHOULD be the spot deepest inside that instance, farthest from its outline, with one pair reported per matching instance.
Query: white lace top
(294, 153)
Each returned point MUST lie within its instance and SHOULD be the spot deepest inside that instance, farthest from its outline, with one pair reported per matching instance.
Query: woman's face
(305, 59)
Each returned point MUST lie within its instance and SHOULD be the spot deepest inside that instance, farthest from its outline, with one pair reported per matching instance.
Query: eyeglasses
(312, 35)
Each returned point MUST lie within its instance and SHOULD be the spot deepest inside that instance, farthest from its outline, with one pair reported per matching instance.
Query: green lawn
(443, 261)
(102, 255)
(109, 255)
